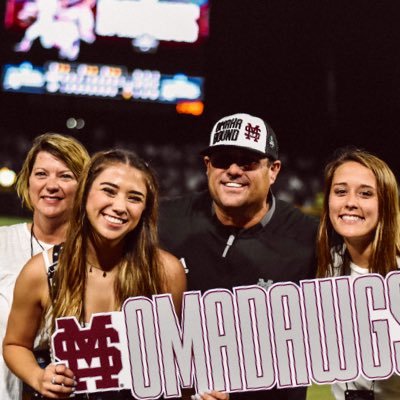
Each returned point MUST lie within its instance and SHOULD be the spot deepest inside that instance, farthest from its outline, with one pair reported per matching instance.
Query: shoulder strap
(53, 267)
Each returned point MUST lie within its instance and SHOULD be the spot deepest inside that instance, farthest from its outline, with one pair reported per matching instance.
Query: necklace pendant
(100, 269)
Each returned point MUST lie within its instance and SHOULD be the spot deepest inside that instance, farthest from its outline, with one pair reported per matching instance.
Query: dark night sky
(323, 73)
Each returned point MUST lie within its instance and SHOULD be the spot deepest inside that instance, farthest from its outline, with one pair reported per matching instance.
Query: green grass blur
(11, 220)
(319, 392)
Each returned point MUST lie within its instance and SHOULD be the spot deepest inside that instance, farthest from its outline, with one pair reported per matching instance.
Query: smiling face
(52, 187)
(239, 181)
(353, 202)
(116, 201)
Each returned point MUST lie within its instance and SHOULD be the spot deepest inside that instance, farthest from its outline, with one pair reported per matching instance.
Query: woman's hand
(212, 395)
(57, 382)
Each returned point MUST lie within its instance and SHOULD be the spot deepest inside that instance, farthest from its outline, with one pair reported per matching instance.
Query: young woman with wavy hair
(111, 253)
(359, 233)
(138, 258)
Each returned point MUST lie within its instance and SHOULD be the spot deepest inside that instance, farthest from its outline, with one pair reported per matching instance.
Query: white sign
(323, 331)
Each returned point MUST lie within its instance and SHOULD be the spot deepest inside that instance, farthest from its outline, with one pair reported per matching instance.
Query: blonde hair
(386, 241)
(139, 272)
(65, 148)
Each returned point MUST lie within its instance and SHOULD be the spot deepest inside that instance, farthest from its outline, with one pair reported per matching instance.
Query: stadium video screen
(138, 50)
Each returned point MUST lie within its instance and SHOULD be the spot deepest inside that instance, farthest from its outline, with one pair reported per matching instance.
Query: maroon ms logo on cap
(252, 132)
(73, 343)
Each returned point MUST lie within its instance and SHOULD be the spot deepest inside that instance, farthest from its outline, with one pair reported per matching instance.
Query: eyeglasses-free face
(52, 187)
(353, 203)
(116, 202)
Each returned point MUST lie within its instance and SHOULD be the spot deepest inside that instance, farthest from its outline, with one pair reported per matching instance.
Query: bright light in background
(179, 87)
(145, 43)
(80, 123)
(166, 20)
(25, 74)
(75, 123)
(109, 81)
(7, 177)
(190, 107)
(146, 23)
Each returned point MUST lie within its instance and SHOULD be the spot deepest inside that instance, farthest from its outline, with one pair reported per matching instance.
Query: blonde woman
(359, 233)
(46, 185)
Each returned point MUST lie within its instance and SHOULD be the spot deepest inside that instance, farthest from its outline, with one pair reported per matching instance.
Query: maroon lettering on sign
(252, 132)
(72, 343)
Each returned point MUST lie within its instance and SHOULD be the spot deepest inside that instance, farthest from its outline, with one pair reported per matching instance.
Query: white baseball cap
(243, 131)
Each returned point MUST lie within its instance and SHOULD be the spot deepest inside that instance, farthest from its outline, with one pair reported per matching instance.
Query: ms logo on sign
(252, 132)
(89, 352)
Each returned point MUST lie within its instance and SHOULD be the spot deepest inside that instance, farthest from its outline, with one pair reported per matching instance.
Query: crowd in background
(180, 170)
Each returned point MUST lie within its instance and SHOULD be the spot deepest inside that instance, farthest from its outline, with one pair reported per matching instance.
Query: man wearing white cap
(237, 233)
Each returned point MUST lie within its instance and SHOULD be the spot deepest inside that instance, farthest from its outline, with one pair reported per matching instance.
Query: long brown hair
(139, 272)
(386, 242)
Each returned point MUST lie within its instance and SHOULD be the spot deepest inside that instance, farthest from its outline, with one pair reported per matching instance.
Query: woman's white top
(15, 251)
(387, 389)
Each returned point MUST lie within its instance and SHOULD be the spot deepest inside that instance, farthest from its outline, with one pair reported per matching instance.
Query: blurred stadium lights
(190, 107)
(95, 80)
(75, 123)
(145, 44)
(84, 49)
(7, 177)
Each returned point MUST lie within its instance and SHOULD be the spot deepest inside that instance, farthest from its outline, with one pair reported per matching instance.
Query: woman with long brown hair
(111, 253)
(359, 233)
